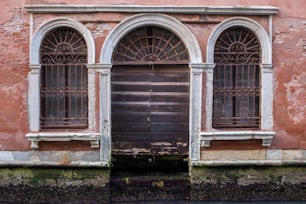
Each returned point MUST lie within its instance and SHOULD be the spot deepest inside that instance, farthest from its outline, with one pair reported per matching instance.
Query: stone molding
(93, 138)
(248, 163)
(34, 91)
(195, 107)
(207, 137)
(266, 103)
(258, 157)
(272, 157)
(60, 22)
(196, 68)
(153, 19)
(51, 158)
(255, 27)
(224, 10)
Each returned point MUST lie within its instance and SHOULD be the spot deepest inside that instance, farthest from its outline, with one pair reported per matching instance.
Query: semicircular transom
(150, 45)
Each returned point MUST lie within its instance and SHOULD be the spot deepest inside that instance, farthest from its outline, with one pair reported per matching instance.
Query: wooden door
(150, 110)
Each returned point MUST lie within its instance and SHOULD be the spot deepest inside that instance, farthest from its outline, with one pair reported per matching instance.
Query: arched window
(236, 80)
(63, 81)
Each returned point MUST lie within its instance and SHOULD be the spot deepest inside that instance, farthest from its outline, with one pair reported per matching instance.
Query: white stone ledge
(207, 137)
(93, 138)
(52, 158)
(225, 10)
(52, 164)
(248, 162)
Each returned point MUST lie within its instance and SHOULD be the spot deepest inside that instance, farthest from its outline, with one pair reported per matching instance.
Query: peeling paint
(161, 144)
(280, 37)
(182, 144)
(296, 92)
(15, 25)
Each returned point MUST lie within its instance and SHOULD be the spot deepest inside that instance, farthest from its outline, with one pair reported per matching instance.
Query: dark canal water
(213, 202)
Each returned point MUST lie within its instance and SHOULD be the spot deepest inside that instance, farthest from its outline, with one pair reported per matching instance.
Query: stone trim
(248, 163)
(275, 157)
(59, 22)
(207, 137)
(256, 157)
(93, 138)
(196, 68)
(209, 71)
(266, 104)
(256, 28)
(153, 19)
(224, 10)
(104, 71)
(34, 91)
(195, 107)
(52, 159)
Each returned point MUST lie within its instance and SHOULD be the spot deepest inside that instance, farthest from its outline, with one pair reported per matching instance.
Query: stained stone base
(248, 183)
(54, 185)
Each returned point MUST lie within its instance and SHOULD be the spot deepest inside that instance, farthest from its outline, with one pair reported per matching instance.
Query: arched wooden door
(150, 94)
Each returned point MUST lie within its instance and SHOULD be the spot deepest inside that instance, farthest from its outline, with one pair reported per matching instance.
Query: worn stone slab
(225, 155)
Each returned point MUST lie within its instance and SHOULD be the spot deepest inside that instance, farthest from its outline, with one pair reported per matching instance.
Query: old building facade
(215, 83)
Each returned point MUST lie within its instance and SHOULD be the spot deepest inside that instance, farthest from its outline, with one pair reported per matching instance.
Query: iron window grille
(150, 45)
(236, 83)
(63, 83)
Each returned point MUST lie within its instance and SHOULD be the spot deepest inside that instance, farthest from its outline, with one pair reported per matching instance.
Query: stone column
(266, 96)
(209, 70)
(91, 97)
(34, 97)
(195, 110)
(105, 110)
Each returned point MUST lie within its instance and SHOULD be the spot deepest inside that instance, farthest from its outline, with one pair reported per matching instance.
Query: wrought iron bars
(236, 80)
(64, 94)
(150, 45)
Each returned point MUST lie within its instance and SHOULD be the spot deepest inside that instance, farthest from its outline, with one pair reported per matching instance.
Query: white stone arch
(266, 72)
(61, 22)
(195, 64)
(151, 19)
(34, 83)
(256, 28)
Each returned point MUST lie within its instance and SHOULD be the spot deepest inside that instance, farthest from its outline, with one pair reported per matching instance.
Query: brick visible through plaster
(98, 29)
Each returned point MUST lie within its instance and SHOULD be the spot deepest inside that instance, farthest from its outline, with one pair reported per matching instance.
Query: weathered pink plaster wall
(289, 56)
(14, 60)
(289, 53)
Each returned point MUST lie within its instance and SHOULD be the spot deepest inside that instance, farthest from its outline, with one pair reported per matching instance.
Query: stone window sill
(34, 138)
(207, 137)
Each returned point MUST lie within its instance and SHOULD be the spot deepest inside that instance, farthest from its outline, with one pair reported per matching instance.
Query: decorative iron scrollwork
(63, 46)
(150, 45)
(64, 89)
(236, 79)
(237, 45)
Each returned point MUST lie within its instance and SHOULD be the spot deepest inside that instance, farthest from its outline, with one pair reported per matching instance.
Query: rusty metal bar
(64, 92)
(150, 45)
(236, 80)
